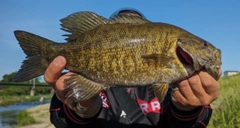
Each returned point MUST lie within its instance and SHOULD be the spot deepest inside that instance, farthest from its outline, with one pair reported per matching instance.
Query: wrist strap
(129, 105)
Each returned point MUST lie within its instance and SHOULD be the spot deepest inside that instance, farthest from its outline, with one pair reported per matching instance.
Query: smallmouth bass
(125, 51)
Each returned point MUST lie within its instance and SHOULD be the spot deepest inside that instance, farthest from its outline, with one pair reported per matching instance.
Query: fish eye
(205, 43)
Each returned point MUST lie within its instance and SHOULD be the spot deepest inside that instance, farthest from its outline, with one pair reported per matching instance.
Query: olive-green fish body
(124, 51)
(126, 55)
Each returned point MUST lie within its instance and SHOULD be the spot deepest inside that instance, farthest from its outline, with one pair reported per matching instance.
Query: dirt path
(41, 114)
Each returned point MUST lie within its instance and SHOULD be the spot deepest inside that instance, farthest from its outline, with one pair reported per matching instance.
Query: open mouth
(184, 57)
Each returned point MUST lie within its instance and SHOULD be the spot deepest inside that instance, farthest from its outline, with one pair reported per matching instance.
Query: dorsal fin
(128, 19)
(81, 22)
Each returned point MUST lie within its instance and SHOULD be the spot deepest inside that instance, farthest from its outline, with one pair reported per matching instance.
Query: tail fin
(35, 63)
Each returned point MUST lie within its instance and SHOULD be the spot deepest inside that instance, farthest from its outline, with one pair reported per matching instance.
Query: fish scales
(125, 51)
(119, 59)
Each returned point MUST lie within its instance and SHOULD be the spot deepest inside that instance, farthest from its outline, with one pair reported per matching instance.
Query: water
(8, 113)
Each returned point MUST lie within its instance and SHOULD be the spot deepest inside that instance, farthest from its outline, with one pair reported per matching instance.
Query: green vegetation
(11, 95)
(226, 112)
(14, 95)
(13, 91)
(9, 78)
(24, 118)
(9, 100)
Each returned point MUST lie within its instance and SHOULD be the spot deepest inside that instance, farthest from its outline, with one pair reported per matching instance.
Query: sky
(217, 21)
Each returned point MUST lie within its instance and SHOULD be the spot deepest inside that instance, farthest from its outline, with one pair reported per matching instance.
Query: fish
(123, 51)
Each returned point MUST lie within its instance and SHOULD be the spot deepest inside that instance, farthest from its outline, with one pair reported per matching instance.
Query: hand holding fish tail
(53, 76)
(201, 89)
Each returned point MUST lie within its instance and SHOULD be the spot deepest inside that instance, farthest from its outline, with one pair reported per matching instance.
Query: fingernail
(58, 61)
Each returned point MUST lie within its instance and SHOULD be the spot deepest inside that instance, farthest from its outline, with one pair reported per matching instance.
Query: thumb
(54, 70)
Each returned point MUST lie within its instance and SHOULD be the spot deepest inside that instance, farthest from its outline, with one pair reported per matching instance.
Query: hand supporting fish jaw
(199, 90)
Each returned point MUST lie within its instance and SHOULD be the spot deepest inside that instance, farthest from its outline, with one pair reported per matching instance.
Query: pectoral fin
(79, 88)
(151, 93)
(160, 91)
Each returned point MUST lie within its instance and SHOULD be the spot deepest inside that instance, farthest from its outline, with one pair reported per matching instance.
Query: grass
(36, 116)
(9, 100)
(12, 95)
(25, 118)
(226, 112)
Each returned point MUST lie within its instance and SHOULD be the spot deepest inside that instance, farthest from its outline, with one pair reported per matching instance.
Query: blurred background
(215, 21)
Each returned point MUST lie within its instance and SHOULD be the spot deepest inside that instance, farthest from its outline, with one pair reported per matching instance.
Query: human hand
(199, 90)
(53, 76)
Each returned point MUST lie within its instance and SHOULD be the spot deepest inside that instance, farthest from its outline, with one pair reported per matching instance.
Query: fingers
(60, 82)
(54, 70)
(186, 94)
(59, 89)
(198, 90)
(195, 88)
(177, 96)
(197, 85)
(209, 84)
(189, 95)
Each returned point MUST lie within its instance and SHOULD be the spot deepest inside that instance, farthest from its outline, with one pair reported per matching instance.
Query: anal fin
(160, 90)
(151, 93)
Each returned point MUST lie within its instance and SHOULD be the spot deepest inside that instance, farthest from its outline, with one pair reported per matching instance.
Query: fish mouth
(184, 57)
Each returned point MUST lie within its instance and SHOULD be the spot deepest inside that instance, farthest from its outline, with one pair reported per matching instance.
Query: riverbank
(42, 115)
(10, 100)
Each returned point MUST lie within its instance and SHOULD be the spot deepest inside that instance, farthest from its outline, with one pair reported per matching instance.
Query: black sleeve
(174, 118)
(63, 117)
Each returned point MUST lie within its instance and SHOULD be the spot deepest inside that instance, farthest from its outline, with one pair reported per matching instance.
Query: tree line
(17, 91)
(8, 78)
